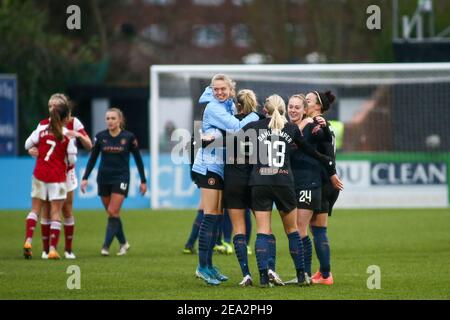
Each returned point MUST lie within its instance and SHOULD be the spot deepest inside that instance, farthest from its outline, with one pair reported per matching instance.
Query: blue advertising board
(8, 115)
(367, 185)
(176, 188)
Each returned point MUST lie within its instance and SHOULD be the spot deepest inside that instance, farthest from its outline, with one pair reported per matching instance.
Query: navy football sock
(296, 250)
(227, 228)
(195, 229)
(120, 233)
(111, 231)
(263, 277)
(322, 247)
(262, 254)
(240, 247)
(205, 238)
(272, 252)
(307, 251)
(216, 234)
(218, 231)
(248, 225)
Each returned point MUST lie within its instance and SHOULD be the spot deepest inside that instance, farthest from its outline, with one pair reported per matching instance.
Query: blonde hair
(60, 100)
(276, 108)
(120, 114)
(228, 81)
(302, 98)
(246, 101)
(58, 114)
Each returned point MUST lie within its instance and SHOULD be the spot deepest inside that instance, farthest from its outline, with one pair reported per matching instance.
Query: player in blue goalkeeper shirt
(208, 169)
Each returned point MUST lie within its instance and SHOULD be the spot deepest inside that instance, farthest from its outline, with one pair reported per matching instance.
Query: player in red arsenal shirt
(56, 150)
(76, 129)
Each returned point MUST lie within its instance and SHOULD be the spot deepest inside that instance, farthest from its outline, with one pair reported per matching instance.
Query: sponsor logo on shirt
(268, 171)
(113, 149)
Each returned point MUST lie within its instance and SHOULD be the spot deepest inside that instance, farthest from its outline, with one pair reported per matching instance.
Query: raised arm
(323, 128)
(326, 161)
(82, 134)
(328, 148)
(72, 151)
(219, 118)
(32, 140)
(319, 134)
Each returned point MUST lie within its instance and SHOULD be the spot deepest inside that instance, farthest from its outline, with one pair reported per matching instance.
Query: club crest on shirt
(123, 141)
(211, 181)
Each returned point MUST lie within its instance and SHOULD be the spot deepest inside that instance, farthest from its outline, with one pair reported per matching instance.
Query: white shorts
(72, 181)
(48, 191)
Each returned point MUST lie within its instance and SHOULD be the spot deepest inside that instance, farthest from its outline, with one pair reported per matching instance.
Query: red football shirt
(74, 124)
(51, 164)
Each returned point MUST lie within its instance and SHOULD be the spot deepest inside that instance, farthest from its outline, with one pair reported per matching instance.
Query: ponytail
(325, 99)
(277, 121)
(60, 111)
(276, 108)
(246, 101)
(57, 117)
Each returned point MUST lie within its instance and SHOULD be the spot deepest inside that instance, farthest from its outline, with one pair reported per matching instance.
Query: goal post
(378, 105)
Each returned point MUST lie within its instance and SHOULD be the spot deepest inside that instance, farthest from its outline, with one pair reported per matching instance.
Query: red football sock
(55, 230)
(69, 227)
(30, 226)
(45, 232)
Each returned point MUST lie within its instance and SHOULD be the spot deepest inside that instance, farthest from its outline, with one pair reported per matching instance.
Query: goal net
(391, 121)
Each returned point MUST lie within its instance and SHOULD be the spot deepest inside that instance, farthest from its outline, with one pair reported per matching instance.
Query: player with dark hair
(50, 174)
(113, 178)
(319, 103)
(272, 181)
(307, 171)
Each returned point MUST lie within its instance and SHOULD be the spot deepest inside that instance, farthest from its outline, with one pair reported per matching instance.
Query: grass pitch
(411, 247)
